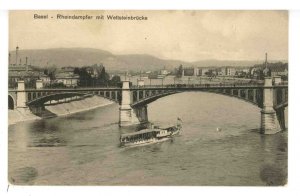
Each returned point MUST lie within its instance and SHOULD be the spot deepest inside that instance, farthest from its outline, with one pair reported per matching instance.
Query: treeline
(90, 76)
(87, 79)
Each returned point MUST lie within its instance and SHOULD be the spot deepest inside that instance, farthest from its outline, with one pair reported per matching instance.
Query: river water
(83, 149)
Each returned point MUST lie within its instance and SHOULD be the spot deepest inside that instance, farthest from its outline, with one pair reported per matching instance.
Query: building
(214, 72)
(28, 77)
(246, 70)
(221, 71)
(230, 71)
(196, 71)
(26, 72)
(188, 71)
(68, 79)
(46, 79)
(68, 69)
(204, 71)
(279, 71)
(164, 72)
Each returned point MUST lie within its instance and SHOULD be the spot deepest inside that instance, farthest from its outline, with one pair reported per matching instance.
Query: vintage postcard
(181, 98)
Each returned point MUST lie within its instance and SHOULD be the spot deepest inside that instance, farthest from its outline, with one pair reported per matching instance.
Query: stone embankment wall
(24, 114)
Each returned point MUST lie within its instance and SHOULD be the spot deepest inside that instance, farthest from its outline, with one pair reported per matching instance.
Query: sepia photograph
(148, 98)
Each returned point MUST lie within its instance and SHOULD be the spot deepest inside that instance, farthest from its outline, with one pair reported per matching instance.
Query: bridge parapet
(219, 85)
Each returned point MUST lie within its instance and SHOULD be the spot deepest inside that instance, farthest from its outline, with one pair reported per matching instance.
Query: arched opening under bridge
(205, 111)
(11, 104)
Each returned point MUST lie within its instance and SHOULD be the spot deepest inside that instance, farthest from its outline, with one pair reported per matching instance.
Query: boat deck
(141, 132)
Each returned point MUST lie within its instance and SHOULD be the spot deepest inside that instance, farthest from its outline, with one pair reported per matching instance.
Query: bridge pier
(269, 121)
(141, 113)
(281, 118)
(283, 95)
(37, 110)
(128, 115)
(279, 112)
(21, 95)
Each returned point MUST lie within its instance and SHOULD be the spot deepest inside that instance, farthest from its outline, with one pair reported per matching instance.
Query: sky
(181, 35)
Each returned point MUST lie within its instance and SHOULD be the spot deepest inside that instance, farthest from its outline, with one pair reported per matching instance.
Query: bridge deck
(157, 87)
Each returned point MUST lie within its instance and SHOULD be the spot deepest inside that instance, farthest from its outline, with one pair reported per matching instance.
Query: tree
(209, 73)
(115, 81)
(103, 77)
(85, 78)
(179, 71)
(50, 71)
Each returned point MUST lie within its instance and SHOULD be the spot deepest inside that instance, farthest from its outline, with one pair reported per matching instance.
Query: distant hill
(61, 57)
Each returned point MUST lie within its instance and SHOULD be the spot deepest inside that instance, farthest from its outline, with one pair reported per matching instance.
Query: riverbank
(20, 115)
(24, 114)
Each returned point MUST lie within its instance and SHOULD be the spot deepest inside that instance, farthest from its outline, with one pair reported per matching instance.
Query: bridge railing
(69, 89)
(200, 85)
(283, 83)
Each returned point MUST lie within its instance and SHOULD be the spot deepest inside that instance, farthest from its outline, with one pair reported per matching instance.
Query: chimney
(266, 60)
(17, 51)
(26, 64)
(9, 55)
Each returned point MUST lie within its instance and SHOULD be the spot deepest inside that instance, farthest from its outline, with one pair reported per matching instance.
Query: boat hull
(144, 143)
(152, 140)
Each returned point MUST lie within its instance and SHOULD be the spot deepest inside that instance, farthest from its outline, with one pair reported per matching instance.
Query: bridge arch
(40, 100)
(252, 96)
(204, 109)
(11, 102)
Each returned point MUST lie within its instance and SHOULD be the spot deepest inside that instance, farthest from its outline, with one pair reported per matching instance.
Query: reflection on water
(274, 169)
(83, 149)
(45, 134)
